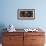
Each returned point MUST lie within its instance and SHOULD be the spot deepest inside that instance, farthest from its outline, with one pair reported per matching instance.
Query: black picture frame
(25, 14)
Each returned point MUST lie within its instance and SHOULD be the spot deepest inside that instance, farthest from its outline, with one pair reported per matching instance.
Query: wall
(9, 13)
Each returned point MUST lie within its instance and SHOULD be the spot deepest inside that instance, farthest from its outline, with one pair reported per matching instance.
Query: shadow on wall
(2, 26)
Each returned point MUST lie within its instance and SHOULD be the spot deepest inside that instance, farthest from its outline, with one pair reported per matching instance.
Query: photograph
(26, 13)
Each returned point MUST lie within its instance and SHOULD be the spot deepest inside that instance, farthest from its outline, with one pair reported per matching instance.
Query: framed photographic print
(26, 14)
